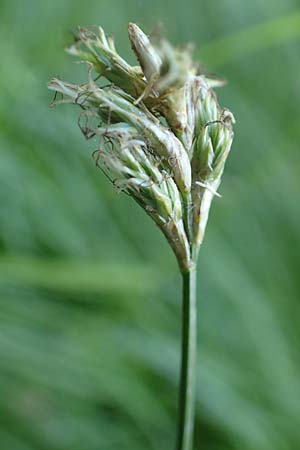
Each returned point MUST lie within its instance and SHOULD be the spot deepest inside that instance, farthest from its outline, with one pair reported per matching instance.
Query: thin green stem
(186, 407)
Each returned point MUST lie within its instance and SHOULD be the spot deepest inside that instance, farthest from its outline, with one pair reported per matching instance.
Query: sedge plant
(163, 139)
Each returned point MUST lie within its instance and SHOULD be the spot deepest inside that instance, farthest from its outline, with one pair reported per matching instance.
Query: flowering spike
(170, 137)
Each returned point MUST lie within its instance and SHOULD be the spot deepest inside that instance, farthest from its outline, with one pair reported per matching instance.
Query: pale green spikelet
(212, 143)
(147, 55)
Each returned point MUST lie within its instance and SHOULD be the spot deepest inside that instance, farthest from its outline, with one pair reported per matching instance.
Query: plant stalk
(186, 406)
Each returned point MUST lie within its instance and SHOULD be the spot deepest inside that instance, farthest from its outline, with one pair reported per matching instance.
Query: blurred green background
(89, 290)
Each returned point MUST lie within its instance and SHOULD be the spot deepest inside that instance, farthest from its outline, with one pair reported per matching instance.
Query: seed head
(163, 138)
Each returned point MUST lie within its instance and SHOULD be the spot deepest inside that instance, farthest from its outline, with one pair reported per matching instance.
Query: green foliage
(89, 299)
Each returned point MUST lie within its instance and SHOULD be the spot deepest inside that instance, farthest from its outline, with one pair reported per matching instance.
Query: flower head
(164, 139)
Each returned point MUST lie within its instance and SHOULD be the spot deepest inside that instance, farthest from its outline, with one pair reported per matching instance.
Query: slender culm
(186, 404)
(163, 139)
